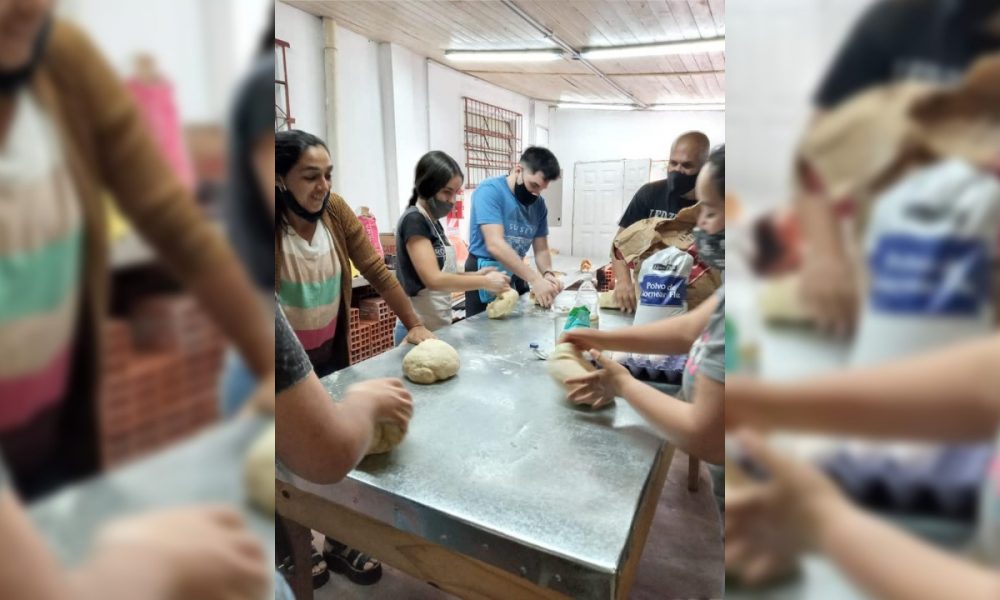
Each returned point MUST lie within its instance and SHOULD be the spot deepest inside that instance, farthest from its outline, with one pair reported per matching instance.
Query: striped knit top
(41, 243)
(309, 290)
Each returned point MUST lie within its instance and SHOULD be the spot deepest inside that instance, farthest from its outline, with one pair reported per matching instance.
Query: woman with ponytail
(427, 268)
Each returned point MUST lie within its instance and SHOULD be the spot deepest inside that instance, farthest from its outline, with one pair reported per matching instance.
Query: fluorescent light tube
(503, 55)
(584, 106)
(680, 47)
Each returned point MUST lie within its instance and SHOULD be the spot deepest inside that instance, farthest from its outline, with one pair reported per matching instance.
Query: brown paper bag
(647, 237)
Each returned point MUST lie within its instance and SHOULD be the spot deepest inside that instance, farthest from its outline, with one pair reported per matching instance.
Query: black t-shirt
(248, 220)
(895, 40)
(291, 364)
(654, 200)
(414, 223)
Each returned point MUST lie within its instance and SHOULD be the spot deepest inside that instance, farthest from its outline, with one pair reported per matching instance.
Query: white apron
(434, 307)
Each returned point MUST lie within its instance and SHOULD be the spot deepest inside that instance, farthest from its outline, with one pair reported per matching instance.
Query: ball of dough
(432, 360)
(385, 437)
(607, 300)
(565, 363)
(503, 305)
(258, 472)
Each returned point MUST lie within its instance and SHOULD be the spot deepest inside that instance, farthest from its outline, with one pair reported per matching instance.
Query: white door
(658, 170)
(636, 176)
(597, 206)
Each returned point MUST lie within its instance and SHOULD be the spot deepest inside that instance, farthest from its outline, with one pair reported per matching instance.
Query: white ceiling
(430, 27)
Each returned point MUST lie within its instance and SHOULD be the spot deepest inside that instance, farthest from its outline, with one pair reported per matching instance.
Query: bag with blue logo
(931, 247)
(662, 293)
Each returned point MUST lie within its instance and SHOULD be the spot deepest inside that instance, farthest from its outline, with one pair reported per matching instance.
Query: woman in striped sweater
(316, 239)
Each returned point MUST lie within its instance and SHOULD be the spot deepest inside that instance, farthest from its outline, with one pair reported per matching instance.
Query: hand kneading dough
(503, 305)
(258, 472)
(385, 437)
(432, 360)
(565, 363)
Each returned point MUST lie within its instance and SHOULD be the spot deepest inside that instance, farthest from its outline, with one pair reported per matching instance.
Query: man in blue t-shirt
(508, 218)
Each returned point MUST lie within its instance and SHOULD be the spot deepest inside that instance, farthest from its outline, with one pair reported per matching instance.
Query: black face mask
(680, 183)
(523, 195)
(286, 197)
(12, 81)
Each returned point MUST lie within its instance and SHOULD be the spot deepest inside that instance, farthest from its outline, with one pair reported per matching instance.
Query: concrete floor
(683, 557)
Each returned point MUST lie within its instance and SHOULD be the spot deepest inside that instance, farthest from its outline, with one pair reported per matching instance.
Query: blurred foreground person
(69, 130)
(951, 395)
(931, 41)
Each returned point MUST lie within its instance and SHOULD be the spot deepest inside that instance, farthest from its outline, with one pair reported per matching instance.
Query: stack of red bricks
(371, 329)
(606, 279)
(160, 377)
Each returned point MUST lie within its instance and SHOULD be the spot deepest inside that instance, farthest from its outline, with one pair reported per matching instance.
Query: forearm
(623, 275)
(28, 568)
(357, 425)
(670, 416)
(665, 336)
(117, 576)
(820, 225)
(949, 395)
(668, 336)
(453, 282)
(502, 252)
(889, 564)
(400, 304)
(234, 304)
(543, 260)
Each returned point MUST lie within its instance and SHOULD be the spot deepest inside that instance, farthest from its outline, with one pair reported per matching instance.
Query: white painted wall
(305, 66)
(767, 114)
(359, 170)
(448, 87)
(594, 135)
(409, 84)
(203, 48)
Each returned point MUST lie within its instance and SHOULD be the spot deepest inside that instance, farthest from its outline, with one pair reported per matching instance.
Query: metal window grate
(282, 103)
(492, 141)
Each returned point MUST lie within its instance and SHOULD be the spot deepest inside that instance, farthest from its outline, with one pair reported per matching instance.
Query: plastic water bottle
(588, 297)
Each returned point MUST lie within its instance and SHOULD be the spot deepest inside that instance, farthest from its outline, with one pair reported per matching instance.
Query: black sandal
(320, 570)
(356, 566)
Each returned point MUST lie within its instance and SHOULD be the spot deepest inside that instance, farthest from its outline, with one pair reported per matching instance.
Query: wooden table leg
(643, 522)
(301, 541)
(694, 472)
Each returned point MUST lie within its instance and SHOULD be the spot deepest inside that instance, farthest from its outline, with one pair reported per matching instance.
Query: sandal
(320, 571)
(356, 566)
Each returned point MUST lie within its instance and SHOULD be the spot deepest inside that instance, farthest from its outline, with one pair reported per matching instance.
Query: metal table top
(208, 468)
(499, 466)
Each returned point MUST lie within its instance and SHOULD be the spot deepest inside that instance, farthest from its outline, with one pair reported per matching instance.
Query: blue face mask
(711, 247)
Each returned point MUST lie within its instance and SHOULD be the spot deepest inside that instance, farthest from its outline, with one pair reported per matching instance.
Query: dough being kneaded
(258, 472)
(385, 437)
(607, 300)
(432, 360)
(565, 363)
(503, 305)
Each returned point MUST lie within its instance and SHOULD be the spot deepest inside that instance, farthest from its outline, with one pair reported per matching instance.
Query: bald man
(663, 199)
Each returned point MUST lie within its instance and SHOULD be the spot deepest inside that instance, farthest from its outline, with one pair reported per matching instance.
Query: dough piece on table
(385, 437)
(503, 305)
(258, 472)
(432, 360)
(565, 363)
(607, 300)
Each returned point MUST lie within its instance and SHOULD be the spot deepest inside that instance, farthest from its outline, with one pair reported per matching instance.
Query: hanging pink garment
(156, 101)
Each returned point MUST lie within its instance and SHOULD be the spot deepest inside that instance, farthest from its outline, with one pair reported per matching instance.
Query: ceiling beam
(573, 52)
